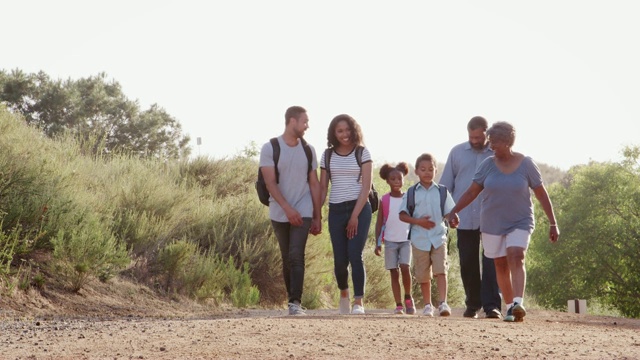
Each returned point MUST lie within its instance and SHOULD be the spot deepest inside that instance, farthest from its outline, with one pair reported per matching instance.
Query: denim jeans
(481, 290)
(292, 241)
(349, 251)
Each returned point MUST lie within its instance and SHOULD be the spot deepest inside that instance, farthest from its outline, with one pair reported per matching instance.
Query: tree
(97, 111)
(598, 255)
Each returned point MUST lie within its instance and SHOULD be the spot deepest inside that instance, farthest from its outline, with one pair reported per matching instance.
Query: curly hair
(502, 131)
(356, 132)
(387, 169)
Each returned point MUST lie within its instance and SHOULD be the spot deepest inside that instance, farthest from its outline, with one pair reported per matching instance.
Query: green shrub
(173, 260)
(8, 244)
(243, 293)
(87, 251)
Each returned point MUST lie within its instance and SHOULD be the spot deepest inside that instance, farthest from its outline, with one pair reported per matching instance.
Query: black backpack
(373, 193)
(261, 186)
(411, 200)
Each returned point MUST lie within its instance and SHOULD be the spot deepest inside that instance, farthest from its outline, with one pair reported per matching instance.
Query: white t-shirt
(394, 229)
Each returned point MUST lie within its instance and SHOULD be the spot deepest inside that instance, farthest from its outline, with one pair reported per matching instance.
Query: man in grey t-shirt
(480, 285)
(294, 205)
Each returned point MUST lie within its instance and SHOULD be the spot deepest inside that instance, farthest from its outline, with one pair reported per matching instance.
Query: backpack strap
(327, 158)
(411, 199)
(385, 201)
(443, 197)
(276, 156)
(307, 151)
(411, 204)
(358, 154)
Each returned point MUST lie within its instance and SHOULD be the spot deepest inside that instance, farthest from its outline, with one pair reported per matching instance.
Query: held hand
(453, 220)
(554, 233)
(316, 227)
(377, 250)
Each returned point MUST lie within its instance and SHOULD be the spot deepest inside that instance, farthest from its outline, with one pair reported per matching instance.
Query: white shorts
(495, 246)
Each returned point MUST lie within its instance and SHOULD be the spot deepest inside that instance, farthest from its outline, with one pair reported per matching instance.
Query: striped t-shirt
(346, 183)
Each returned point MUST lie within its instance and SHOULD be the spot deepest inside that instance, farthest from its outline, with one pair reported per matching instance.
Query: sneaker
(345, 306)
(357, 309)
(444, 309)
(509, 317)
(470, 313)
(428, 310)
(296, 309)
(399, 310)
(518, 312)
(493, 314)
(411, 309)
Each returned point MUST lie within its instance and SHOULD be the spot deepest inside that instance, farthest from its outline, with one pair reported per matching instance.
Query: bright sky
(412, 73)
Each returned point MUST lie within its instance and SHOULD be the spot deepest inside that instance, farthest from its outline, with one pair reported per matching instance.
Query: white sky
(412, 73)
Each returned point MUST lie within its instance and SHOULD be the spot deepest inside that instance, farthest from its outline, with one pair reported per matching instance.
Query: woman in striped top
(349, 208)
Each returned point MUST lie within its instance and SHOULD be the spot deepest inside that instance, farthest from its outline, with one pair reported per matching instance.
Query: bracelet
(553, 225)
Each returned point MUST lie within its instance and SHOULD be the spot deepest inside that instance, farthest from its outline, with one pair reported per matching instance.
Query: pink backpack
(384, 207)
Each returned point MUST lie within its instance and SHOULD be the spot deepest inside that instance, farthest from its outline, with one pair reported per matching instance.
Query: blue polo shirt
(458, 172)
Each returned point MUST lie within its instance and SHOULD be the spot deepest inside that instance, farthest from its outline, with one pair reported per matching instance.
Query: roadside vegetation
(74, 211)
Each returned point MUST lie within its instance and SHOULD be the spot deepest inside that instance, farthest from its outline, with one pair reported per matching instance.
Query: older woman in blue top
(506, 218)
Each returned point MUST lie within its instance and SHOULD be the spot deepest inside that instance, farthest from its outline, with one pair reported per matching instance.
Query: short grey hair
(502, 131)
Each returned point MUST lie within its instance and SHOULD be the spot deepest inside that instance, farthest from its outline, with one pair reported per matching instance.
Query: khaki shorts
(426, 261)
(495, 246)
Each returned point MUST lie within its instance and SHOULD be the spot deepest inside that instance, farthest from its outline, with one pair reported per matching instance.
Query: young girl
(394, 234)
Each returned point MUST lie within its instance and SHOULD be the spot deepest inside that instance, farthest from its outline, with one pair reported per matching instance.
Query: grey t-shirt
(293, 184)
(507, 204)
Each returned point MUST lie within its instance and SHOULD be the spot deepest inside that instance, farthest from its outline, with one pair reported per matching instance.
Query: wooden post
(577, 306)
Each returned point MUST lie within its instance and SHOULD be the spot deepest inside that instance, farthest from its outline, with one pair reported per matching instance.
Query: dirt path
(257, 334)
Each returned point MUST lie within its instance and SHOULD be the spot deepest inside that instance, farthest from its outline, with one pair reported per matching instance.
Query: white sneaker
(428, 310)
(444, 309)
(295, 309)
(345, 306)
(357, 309)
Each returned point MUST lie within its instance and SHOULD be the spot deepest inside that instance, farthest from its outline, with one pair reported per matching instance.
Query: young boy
(428, 233)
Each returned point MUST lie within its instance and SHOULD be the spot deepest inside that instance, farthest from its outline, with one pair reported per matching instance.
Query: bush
(86, 251)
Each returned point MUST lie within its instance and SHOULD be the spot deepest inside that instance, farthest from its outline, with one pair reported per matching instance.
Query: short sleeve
(483, 171)
(314, 158)
(366, 155)
(266, 155)
(534, 177)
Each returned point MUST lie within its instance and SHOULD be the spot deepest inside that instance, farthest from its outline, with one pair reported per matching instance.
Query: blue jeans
(292, 241)
(481, 290)
(349, 252)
